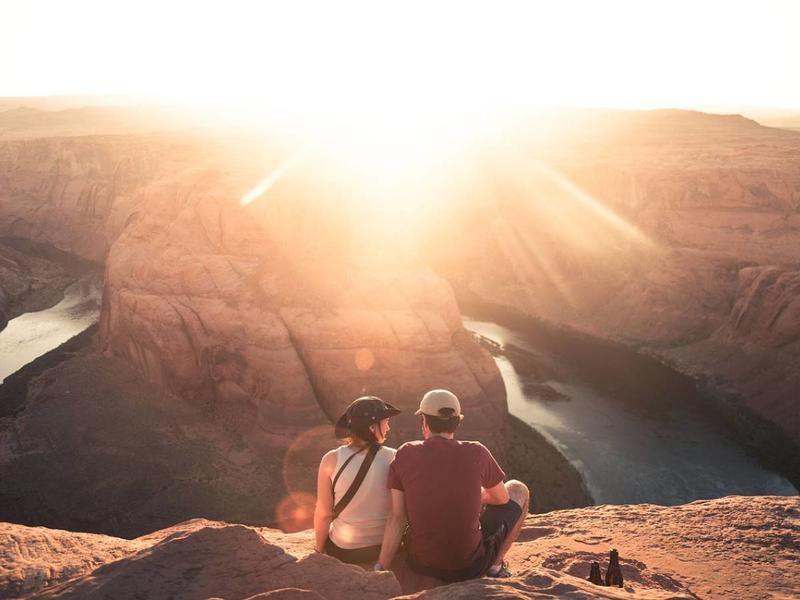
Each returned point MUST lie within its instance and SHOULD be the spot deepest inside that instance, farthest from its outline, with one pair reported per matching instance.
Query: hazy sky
(605, 53)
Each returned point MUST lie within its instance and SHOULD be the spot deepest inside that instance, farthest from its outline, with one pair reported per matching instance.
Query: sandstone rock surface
(735, 547)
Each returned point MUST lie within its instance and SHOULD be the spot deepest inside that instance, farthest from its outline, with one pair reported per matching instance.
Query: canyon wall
(276, 307)
(73, 193)
(677, 233)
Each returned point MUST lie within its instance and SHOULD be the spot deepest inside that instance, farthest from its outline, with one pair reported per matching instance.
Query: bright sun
(392, 87)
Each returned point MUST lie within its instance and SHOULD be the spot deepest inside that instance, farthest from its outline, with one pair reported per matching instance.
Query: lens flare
(295, 512)
(301, 461)
(364, 359)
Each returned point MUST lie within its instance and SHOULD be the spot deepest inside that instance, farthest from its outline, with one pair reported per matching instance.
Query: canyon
(231, 334)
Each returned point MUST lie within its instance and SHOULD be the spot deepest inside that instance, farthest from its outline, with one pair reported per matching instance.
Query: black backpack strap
(359, 479)
(344, 466)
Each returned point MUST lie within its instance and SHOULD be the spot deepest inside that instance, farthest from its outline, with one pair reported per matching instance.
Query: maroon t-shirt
(442, 481)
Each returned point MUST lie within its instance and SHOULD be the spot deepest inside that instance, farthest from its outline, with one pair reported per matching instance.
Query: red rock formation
(222, 306)
(274, 308)
(736, 547)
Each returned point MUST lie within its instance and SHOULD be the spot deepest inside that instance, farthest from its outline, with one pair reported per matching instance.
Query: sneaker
(502, 572)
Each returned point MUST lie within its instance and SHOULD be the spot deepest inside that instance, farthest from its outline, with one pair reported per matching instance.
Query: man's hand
(393, 534)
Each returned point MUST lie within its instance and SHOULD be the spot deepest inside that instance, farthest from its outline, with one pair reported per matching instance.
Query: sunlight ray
(609, 216)
(270, 180)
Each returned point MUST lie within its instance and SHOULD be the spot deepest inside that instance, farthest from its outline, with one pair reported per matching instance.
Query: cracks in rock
(221, 230)
(424, 324)
(194, 312)
(391, 327)
(312, 380)
(217, 292)
(185, 329)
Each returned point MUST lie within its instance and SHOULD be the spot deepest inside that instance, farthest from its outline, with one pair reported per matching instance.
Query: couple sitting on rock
(443, 499)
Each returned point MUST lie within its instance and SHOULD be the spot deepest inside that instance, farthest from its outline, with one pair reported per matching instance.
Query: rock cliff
(232, 307)
(736, 547)
(76, 193)
(677, 233)
(226, 306)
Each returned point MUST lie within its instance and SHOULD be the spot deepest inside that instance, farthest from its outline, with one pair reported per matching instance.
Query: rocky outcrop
(661, 232)
(273, 307)
(95, 448)
(736, 547)
(198, 559)
(230, 308)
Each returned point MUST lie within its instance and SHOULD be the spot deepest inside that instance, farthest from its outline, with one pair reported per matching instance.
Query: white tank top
(362, 521)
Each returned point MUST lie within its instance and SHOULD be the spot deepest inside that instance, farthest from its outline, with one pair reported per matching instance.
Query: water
(634, 429)
(33, 334)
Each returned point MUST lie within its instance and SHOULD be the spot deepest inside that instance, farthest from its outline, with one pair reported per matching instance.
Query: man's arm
(393, 534)
(495, 495)
(492, 489)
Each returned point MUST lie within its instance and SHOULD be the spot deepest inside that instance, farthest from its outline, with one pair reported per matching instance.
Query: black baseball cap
(363, 412)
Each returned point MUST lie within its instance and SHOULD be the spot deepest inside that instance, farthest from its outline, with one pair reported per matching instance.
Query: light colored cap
(436, 400)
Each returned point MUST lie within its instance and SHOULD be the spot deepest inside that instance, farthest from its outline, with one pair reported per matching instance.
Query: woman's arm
(323, 511)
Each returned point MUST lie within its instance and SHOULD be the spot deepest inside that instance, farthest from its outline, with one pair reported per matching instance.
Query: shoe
(502, 573)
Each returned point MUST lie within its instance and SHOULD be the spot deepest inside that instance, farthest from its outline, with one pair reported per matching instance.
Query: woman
(354, 535)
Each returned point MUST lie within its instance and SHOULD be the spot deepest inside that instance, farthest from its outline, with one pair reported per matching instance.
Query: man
(438, 486)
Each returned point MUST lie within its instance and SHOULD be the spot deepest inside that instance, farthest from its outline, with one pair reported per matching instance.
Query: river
(637, 431)
(35, 333)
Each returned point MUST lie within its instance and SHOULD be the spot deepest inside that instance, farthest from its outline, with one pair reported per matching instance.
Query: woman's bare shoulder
(328, 461)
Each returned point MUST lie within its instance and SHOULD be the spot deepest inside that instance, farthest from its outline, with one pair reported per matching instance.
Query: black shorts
(368, 554)
(496, 515)
(497, 520)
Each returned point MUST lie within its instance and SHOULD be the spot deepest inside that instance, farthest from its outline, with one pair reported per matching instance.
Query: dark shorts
(368, 554)
(497, 520)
